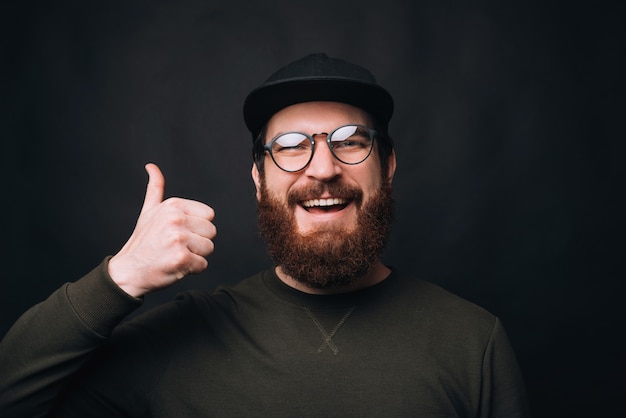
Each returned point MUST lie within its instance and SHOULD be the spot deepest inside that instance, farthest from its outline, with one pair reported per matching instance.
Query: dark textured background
(509, 124)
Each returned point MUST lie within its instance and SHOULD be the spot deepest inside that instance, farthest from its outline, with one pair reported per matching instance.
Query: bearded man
(330, 330)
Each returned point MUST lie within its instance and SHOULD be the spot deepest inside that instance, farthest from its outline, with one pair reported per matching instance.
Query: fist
(171, 240)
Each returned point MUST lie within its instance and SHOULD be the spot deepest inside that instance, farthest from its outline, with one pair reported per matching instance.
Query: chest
(336, 363)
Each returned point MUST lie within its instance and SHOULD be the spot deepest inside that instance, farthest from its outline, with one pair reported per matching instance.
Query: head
(327, 223)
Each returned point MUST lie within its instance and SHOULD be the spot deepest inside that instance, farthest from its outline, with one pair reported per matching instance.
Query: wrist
(99, 302)
(124, 279)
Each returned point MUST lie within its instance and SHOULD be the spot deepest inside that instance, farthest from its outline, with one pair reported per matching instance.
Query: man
(330, 331)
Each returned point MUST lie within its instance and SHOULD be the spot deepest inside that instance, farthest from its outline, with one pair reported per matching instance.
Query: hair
(384, 145)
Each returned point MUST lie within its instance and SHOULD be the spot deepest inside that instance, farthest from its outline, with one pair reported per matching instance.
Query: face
(326, 224)
(326, 192)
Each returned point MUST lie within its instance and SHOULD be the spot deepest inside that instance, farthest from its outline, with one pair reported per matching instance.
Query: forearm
(53, 339)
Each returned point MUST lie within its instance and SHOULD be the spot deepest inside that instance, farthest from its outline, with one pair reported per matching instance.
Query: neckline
(292, 296)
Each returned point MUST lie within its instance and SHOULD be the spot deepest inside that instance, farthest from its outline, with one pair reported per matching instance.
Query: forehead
(315, 117)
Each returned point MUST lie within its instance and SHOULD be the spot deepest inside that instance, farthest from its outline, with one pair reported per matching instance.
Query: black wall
(507, 126)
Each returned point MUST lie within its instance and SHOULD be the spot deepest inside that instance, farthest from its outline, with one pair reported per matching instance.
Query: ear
(391, 166)
(256, 177)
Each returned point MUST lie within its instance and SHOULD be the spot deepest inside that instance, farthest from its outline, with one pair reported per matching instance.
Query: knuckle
(180, 258)
(177, 219)
(172, 202)
(177, 238)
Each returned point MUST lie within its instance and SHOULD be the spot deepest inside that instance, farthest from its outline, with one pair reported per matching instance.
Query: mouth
(332, 204)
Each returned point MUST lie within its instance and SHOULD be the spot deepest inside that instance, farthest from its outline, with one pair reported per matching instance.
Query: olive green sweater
(401, 348)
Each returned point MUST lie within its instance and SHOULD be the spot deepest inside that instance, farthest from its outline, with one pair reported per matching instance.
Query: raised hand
(172, 239)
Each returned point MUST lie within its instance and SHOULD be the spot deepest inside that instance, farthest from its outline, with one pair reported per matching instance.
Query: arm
(503, 391)
(51, 341)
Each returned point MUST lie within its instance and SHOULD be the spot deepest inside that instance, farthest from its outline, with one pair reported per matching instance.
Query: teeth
(323, 202)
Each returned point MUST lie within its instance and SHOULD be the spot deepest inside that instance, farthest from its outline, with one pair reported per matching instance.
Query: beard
(329, 256)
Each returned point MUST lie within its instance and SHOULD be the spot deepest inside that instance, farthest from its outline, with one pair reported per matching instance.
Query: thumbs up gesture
(171, 240)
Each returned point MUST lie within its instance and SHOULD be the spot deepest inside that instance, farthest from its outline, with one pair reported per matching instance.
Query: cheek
(369, 179)
(277, 185)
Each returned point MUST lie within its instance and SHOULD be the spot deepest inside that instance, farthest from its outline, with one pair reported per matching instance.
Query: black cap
(317, 77)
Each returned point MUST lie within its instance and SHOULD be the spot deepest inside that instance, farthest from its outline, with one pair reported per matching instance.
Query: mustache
(317, 190)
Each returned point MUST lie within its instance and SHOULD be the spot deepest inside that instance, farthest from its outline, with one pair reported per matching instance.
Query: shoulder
(224, 297)
(428, 294)
(431, 295)
(431, 306)
(196, 306)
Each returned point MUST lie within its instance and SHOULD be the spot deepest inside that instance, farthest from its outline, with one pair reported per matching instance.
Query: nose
(323, 166)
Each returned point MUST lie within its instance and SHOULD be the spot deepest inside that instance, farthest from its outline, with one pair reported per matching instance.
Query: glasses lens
(291, 151)
(351, 144)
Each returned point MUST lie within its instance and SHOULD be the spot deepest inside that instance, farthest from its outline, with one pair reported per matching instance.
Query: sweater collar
(290, 295)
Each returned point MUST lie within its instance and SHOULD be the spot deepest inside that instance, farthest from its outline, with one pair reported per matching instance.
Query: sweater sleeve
(53, 339)
(503, 391)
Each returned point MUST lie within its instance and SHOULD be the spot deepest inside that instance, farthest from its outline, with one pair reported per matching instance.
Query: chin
(324, 227)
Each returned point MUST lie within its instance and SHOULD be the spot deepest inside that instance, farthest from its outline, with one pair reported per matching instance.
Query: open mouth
(325, 205)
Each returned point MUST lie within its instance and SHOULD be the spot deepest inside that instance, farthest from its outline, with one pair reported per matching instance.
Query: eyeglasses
(293, 151)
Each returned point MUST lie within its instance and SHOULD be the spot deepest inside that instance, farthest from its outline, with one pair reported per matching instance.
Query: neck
(374, 275)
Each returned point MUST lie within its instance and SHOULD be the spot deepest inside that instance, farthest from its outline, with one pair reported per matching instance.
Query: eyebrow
(367, 124)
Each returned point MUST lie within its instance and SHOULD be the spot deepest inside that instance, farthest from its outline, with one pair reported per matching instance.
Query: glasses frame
(373, 134)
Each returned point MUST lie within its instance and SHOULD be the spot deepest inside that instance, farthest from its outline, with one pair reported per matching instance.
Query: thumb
(155, 189)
